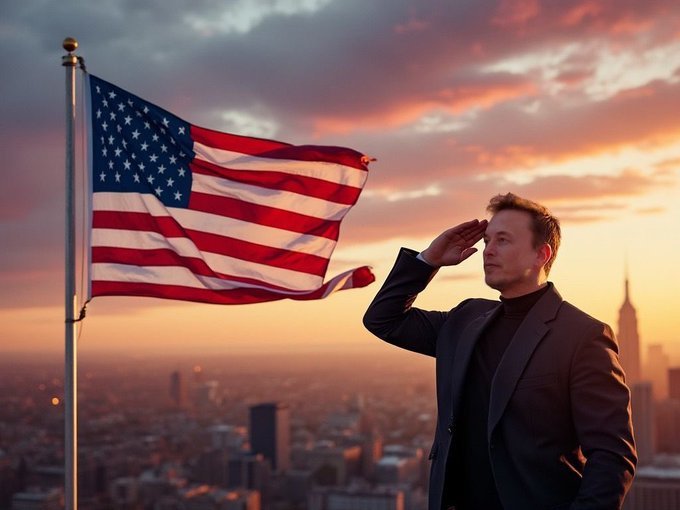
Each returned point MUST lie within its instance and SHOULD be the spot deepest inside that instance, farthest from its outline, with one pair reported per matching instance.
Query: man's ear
(544, 254)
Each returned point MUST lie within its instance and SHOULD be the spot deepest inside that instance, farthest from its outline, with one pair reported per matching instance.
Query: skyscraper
(629, 339)
(674, 383)
(176, 390)
(643, 421)
(270, 433)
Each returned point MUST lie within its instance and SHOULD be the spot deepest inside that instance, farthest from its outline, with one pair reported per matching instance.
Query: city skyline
(573, 105)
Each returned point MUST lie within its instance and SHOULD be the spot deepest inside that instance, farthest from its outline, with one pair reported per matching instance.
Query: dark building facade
(270, 434)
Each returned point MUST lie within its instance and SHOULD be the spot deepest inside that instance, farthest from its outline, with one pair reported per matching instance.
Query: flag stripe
(265, 215)
(184, 219)
(167, 258)
(229, 145)
(220, 264)
(359, 277)
(167, 227)
(256, 195)
(279, 180)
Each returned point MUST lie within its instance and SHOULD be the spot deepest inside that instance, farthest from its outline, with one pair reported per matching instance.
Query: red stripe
(264, 215)
(168, 258)
(168, 227)
(303, 185)
(360, 278)
(278, 150)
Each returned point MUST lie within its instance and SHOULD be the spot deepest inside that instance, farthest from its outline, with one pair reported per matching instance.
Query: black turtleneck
(469, 472)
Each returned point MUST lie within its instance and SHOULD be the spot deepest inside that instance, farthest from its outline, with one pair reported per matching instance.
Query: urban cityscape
(292, 432)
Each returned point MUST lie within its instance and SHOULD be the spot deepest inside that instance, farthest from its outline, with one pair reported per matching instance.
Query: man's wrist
(422, 258)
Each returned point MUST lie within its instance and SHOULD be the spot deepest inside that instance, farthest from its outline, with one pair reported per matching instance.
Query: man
(533, 410)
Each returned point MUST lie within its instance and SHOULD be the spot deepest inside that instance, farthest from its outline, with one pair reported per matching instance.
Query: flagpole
(70, 62)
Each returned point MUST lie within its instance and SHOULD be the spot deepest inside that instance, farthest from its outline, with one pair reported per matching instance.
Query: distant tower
(674, 383)
(629, 340)
(642, 403)
(270, 433)
(176, 388)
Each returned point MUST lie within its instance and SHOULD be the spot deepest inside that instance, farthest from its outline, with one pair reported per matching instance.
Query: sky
(575, 104)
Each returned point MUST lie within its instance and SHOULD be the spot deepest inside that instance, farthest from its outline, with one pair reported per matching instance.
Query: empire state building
(629, 340)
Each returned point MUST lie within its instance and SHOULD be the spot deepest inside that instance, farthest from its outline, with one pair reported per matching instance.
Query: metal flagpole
(70, 362)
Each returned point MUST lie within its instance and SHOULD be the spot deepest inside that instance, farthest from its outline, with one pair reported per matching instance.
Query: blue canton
(138, 147)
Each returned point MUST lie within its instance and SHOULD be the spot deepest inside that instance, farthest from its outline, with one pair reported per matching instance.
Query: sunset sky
(575, 104)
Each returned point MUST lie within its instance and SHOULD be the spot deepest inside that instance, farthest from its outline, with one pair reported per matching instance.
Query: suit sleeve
(391, 316)
(602, 416)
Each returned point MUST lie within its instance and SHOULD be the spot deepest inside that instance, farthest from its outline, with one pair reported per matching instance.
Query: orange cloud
(516, 12)
(454, 100)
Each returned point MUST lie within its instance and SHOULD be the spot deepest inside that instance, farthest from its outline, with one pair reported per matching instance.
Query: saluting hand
(455, 245)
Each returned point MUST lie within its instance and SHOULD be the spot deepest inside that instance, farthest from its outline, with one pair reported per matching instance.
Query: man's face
(511, 263)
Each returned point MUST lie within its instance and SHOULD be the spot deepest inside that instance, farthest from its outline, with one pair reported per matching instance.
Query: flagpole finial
(70, 44)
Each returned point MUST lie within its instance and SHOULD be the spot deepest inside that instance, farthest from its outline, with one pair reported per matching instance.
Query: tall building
(642, 402)
(674, 383)
(629, 339)
(176, 390)
(270, 433)
(656, 370)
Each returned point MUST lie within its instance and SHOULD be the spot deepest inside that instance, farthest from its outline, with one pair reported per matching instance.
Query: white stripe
(180, 276)
(215, 224)
(132, 239)
(285, 200)
(331, 172)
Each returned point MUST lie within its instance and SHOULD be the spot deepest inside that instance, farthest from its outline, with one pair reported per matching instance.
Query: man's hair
(545, 227)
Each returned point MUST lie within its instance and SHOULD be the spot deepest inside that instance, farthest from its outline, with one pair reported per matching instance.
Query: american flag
(184, 212)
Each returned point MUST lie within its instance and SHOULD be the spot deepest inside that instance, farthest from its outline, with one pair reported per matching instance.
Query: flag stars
(146, 109)
(166, 122)
(135, 134)
(135, 177)
(98, 113)
(112, 95)
(144, 146)
(173, 160)
(181, 130)
(117, 151)
(102, 177)
(141, 167)
(98, 89)
(130, 103)
(121, 107)
(158, 191)
(104, 151)
(112, 115)
(105, 126)
(170, 182)
(127, 164)
(181, 172)
(127, 120)
(110, 165)
(153, 158)
(178, 195)
(164, 148)
(150, 179)
(161, 169)
(154, 137)
(117, 176)
(111, 139)
(147, 125)
(105, 103)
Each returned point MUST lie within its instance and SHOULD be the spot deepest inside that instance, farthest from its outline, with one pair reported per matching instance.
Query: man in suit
(533, 409)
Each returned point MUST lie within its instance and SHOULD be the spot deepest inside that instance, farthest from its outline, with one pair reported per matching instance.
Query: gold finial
(70, 44)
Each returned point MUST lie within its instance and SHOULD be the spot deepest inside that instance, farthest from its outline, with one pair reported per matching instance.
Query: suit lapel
(464, 350)
(530, 333)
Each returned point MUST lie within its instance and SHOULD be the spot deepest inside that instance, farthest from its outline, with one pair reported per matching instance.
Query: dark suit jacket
(559, 431)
